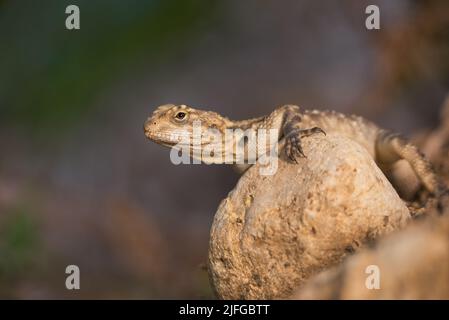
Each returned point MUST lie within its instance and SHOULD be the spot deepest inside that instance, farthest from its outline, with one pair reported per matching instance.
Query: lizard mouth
(170, 139)
(167, 139)
(162, 138)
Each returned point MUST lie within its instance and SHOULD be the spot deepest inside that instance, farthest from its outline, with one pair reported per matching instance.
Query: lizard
(170, 123)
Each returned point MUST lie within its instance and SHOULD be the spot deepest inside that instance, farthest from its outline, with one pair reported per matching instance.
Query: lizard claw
(309, 132)
(293, 148)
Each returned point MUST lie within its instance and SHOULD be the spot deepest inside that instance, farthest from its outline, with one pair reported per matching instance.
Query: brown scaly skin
(169, 123)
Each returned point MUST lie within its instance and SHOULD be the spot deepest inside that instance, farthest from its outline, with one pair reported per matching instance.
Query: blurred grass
(50, 75)
(19, 243)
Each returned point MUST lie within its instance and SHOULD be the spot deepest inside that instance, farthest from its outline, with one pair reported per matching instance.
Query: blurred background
(80, 184)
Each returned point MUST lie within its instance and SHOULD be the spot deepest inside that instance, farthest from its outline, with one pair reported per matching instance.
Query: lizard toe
(293, 149)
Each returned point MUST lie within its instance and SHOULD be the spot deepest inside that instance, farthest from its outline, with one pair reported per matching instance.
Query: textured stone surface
(413, 264)
(273, 232)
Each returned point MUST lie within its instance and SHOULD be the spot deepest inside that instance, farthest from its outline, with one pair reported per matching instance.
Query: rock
(274, 232)
(412, 264)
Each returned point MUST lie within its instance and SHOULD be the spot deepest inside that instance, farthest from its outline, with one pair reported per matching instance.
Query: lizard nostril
(148, 124)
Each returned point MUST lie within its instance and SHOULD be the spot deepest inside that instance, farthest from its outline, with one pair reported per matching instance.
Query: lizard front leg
(286, 120)
(293, 148)
(293, 134)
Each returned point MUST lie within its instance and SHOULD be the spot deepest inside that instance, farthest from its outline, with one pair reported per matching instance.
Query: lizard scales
(169, 123)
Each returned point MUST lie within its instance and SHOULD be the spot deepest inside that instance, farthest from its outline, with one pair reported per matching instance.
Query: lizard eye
(180, 115)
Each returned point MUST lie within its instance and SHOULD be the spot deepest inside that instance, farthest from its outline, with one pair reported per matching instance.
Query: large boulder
(273, 232)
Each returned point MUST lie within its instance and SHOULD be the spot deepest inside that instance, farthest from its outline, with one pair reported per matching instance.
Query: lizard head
(171, 124)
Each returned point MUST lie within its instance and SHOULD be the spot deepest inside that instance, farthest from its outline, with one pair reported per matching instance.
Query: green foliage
(49, 75)
(19, 243)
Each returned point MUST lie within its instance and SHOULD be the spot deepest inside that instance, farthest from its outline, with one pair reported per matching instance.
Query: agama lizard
(169, 124)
